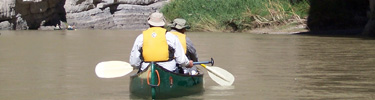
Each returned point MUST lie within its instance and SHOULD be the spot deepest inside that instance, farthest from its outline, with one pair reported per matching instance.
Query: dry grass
(277, 16)
(207, 23)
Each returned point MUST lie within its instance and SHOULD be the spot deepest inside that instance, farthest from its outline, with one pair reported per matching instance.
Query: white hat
(156, 19)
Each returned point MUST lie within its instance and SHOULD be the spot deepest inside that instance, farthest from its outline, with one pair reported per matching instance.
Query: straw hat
(179, 23)
(156, 19)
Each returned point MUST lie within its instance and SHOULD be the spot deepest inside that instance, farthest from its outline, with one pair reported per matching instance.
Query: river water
(59, 65)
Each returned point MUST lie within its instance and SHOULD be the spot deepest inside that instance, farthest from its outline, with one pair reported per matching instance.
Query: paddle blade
(220, 76)
(112, 69)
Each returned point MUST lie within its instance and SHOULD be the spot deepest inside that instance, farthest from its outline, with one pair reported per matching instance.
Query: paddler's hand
(190, 64)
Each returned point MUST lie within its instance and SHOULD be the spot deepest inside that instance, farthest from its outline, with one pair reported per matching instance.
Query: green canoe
(159, 83)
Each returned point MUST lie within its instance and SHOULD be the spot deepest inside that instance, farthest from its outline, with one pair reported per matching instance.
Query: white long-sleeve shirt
(172, 41)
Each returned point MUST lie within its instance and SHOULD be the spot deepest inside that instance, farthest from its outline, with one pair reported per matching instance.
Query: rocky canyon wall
(110, 14)
(28, 14)
(83, 14)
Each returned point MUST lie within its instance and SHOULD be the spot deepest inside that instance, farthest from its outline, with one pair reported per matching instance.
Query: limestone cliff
(110, 14)
(28, 14)
(6, 13)
(92, 14)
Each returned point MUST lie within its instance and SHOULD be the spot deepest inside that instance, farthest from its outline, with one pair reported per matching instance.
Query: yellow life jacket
(155, 46)
(182, 38)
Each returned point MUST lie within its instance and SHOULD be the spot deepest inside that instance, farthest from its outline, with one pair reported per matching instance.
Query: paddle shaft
(204, 62)
(201, 62)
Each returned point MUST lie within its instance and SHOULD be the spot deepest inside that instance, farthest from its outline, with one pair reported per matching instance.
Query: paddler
(157, 45)
(178, 28)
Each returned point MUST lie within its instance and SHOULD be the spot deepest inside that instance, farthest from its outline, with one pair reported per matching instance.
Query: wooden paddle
(112, 69)
(219, 75)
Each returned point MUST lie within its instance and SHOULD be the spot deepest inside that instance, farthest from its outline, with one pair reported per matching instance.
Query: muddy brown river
(59, 65)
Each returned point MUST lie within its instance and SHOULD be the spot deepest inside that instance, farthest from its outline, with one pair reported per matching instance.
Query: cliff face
(28, 14)
(342, 15)
(33, 12)
(370, 26)
(110, 14)
(6, 13)
(95, 14)
(337, 14)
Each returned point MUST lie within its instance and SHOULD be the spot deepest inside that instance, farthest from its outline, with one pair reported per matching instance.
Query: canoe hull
(171, 84)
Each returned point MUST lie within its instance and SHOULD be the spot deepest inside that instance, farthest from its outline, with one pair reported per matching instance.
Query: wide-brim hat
(179, 23)
(156, 19)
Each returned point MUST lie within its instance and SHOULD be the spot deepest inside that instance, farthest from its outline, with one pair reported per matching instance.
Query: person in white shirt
(157, 45)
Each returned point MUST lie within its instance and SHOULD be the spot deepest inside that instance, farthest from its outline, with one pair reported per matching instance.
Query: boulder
(5, 25)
